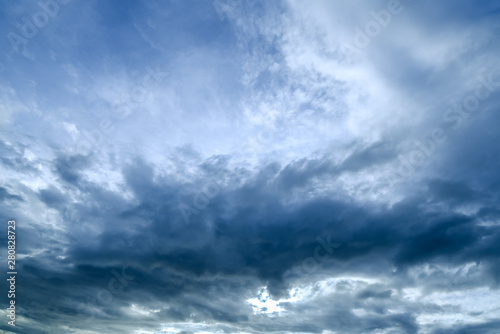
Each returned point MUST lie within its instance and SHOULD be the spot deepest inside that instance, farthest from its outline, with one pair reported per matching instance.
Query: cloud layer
(252, 167)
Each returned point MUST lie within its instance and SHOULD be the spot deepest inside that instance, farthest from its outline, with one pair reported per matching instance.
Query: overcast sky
(230, 166)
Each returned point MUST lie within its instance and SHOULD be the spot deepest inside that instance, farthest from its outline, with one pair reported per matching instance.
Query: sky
(228, 166)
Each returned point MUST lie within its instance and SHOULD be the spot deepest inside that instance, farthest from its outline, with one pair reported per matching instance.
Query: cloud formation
(252, 167)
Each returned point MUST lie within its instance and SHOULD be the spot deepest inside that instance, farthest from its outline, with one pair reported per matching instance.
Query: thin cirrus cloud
(251, 167)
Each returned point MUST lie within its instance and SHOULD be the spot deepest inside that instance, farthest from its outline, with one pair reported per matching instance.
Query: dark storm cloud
(253, 230)
(248, 231)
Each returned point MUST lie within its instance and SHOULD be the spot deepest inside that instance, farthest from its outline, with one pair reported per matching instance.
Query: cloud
(234, 167)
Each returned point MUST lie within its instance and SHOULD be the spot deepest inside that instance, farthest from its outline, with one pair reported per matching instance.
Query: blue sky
(252, 166)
